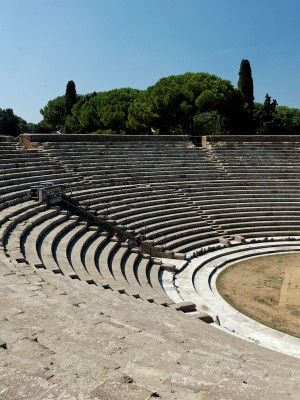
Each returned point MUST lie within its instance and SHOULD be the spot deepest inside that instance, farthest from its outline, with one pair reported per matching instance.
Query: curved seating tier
(67, 336)
(184, 198)
(267, 160)
(46, 238)
(250, 208)
(198, 283)
(134, 163)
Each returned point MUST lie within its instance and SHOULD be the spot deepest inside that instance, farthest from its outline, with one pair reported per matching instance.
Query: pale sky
(107, 44)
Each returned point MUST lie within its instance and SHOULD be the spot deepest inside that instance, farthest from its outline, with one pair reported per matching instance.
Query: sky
(108, 44)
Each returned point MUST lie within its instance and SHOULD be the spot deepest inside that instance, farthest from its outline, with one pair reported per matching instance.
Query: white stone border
(197, 283)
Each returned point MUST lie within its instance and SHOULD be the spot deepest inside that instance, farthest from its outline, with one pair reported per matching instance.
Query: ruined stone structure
(83, 316)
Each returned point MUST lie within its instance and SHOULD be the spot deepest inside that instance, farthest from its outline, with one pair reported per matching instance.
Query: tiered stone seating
(22, 168)
(83, 344)
(185, 198)
(14, 235)
(49, 240)
(177, 193)
(250, 208)
(166, 218)
(270, 160)
(132, 163)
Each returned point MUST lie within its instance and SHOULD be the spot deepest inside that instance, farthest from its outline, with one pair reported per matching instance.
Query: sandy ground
(266, 289)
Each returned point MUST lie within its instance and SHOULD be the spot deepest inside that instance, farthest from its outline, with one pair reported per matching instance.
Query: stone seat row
(113, 155)
(146, 316)
(230, 225)
(257, 146)
(14, 165)
(257, 205)
(240, 189)
(147, 179)
(98, 149)
(249, 218)
(244, 201)
(26, 168)
(160, 217)
(132, 165)
(273, 167)
(269, 196)
(251, 153)
(111, 144)
(52, 241)
(18, 214)
(13, 198)
(228, 183)
(20, 156)
(218, 213)
(266, 175)
(258, 161)
(241, 197)
(13, 235)
(135, 145)
(158, 172)
(75, 294)
(237, 187)
(261, 154)
(13, 188)
(261, 158)
(271, 208)
(34, 253)
(258, 164)
(27, 176)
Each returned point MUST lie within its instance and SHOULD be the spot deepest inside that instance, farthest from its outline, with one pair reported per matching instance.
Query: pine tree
(9, 123)
(245, 83)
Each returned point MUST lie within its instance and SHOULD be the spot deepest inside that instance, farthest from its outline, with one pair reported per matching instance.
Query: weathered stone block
(185, 306)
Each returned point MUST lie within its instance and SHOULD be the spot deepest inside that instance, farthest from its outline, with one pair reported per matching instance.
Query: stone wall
(5, 138)
(28, 140)
(206, 140)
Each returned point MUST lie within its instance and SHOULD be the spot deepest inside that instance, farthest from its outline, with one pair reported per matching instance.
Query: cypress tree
(245, 83)
(70, 100)
(71, 97)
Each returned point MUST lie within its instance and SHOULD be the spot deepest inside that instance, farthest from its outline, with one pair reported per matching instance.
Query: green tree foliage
(245, 83)
(54, 114)
(24, 126)
(70, 101)
(175, 104)
(192, 103)
(43, 127)
(72, 123)
(9, 123)
(100, 112)
(70, 97)
(13, 125)
(267, 121)
(289, 120)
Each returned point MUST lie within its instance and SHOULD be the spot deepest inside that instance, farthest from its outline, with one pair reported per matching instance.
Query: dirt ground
(266, 289)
